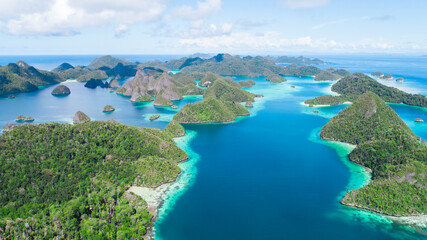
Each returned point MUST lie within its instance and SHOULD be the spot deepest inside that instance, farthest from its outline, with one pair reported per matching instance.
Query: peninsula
(352, 86)
(389, 148)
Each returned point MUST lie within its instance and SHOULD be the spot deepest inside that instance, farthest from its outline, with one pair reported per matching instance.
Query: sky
(38, 27)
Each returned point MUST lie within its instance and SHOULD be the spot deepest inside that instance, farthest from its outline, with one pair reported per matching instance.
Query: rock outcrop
(9, 127)
(93, 83)
(61, 90)
(249, 104)
(114, 84)
(80, 117)
(20, 118)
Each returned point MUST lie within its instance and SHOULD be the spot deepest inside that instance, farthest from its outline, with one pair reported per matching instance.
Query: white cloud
(203, 10)
(68, 17)
(319, 26)
(200, 29)
(304, 3)
(274, 42)
(120, 31)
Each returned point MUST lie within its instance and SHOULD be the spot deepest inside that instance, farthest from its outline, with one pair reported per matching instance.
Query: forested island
(70, 181)
(352, 86)
(296, 60)
(20, 77)
(387, 146)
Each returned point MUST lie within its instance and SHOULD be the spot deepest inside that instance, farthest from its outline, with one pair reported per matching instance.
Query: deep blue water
(267, 176)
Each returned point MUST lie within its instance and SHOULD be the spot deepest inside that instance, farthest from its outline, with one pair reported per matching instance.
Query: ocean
(266, 176)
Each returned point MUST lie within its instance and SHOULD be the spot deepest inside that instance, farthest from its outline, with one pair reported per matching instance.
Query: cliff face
(149, 83)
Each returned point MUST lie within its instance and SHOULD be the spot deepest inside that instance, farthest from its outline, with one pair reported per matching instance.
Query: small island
(80, 117)
(387, 76)
(275, 78)
(61, 90)
(378, 74)
(419, 120)
(400, 79)
(108, 109)
(154, 117)
(248, 104)
(29, 119)
(20, 118)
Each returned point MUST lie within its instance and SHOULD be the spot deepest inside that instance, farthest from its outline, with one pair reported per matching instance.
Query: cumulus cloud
(68, 17)
(200, 29)
(203, 10)
(120, 30)
(274, 42)
(304, 3)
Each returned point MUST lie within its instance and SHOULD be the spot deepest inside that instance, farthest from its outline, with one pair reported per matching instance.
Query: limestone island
(80, 117)
(400, 79)
(61, 90)
(352, 86)
(154, 117)
(419, 120)
(378, 74)
(389, 148)
(275, 78)
(21, 77)
(387, 76)
(94, 83)
(29, 119)
(108, 109)
(20, 118)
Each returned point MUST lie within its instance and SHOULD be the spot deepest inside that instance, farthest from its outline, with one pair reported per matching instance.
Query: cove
(269, 176)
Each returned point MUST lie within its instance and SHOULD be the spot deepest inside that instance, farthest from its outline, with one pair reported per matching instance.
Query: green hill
(69, 181)
(354, 85)
(21, 77)
(210, 110)
(228, 90)
(390, 149)
(106, 61)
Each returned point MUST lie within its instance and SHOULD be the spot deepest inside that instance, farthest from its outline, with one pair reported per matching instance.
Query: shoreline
(419, 221)
(160, 199)
(154, 198)
(324, 105)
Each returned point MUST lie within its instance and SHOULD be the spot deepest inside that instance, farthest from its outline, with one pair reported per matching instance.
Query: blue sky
(238, 27)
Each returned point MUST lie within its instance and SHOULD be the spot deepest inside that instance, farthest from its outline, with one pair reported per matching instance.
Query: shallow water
(267, 176)
(270, 176)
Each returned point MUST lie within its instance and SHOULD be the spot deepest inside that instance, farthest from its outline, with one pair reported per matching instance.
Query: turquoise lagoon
(266, 176)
